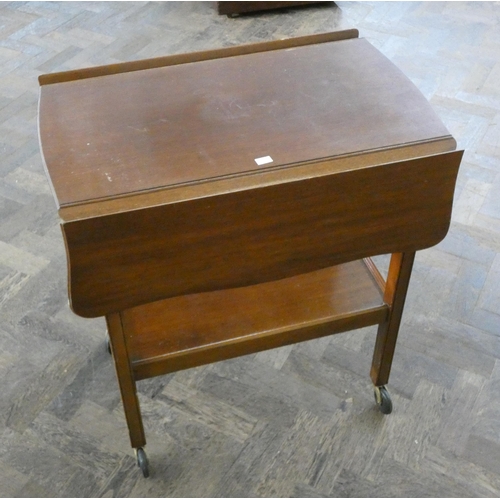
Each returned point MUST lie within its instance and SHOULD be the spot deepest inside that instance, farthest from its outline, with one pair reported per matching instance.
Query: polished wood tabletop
(114, 135)
(226, 168)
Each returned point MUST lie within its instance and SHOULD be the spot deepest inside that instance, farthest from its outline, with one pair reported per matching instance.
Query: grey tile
(299, 422)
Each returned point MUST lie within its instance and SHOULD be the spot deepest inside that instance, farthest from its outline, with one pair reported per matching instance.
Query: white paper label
(263, 160)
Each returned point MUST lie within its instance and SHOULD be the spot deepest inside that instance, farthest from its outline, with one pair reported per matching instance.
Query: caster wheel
(383, 399)
(142, 461)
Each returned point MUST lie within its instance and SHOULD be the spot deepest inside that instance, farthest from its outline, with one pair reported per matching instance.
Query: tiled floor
(298, 421)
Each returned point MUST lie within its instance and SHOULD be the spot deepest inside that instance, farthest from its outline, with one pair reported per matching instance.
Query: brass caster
(383, 399)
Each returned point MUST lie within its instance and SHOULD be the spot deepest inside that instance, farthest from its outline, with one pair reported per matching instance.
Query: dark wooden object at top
(231, 8)
(196, 253)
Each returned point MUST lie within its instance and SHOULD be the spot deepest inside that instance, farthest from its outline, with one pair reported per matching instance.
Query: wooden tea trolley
(220, 203)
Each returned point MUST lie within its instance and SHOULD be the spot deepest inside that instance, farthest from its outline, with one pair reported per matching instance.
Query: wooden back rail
(205, 55)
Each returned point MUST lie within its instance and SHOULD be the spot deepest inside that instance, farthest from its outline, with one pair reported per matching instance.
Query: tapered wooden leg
(126, 381)
(396, 287)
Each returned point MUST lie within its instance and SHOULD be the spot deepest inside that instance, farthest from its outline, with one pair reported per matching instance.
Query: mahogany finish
(126, 381)
(394, 296)
(230, 8)
(204, 55)
(224, 324)
(187, 123)
(196, 253)
(236, 239)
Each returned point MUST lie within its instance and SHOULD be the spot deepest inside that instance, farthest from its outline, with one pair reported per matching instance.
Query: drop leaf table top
(228, 201)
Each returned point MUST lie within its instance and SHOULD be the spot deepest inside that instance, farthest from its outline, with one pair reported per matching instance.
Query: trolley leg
(128, 389)
(395, 294)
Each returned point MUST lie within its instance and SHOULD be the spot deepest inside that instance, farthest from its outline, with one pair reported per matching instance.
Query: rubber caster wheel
(383, 399)
(142, 461)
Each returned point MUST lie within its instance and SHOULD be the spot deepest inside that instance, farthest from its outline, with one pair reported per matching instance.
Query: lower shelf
(192, 330)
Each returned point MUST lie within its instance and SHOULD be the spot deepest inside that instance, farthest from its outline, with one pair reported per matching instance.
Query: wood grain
(236, 239)
(320, 221)
(241, 7)
(197, 329)
(206, 55)
(213, 119)
(449, 333)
